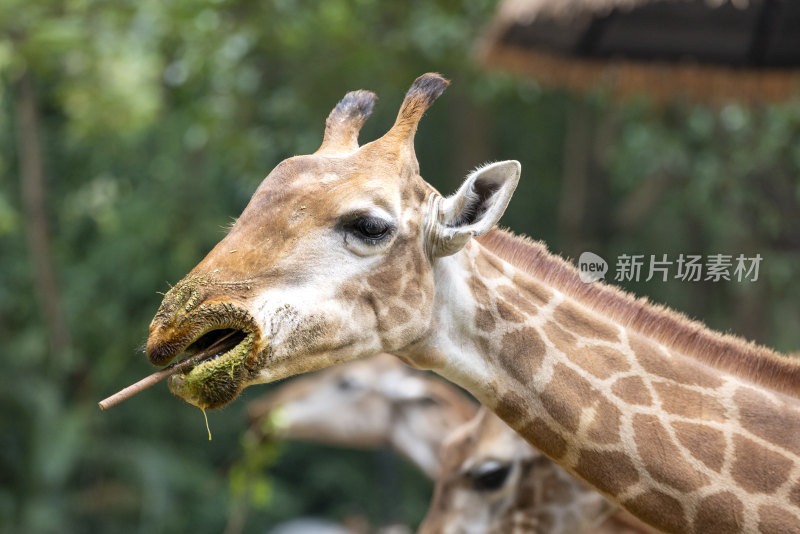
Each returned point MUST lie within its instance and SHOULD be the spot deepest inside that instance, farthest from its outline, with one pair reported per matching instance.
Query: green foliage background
(158, 120)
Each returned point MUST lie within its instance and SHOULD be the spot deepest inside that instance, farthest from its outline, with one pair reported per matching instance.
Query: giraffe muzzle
(233, 337)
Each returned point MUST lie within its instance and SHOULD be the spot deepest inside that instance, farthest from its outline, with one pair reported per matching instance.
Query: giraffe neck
(682, 445)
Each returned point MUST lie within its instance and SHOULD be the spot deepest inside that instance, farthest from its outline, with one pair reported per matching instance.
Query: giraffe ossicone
(348, 252)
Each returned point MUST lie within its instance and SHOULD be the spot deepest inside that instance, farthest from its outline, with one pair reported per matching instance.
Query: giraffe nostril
(183, 297)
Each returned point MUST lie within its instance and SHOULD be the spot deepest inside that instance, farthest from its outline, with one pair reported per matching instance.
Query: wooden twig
(158, 376)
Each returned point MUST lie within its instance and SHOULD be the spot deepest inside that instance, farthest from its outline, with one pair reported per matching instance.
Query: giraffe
(494, 482)
(379, 401)
(348, 252)
(370, 403)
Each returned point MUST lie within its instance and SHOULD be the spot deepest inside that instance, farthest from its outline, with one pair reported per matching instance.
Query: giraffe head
(493, 481)
(330, 261)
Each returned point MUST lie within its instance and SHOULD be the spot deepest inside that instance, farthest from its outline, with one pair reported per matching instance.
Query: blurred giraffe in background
(373, 403)
(492, 478)
(493, 482)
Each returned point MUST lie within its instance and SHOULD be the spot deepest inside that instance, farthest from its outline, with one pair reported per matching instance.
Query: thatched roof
(703, 50)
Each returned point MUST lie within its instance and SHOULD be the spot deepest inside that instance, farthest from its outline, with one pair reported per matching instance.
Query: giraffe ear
(476, 207)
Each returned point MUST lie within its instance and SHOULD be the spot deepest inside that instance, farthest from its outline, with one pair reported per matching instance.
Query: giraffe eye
(489, 476)
(346, 383)
(372, 229)
(366, 233)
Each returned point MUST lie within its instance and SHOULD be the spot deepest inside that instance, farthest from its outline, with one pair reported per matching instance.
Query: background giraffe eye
(346, 383)
(372, 228)
(489, 476)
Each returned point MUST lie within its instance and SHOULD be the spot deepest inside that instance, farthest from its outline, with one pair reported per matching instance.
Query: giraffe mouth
(220, 340)
(221, 374)
(216, 346)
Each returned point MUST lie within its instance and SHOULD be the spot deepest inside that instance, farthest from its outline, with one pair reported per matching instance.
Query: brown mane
(725, 352)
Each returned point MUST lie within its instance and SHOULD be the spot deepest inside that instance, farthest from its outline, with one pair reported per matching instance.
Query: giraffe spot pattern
(774, 520)
(400, 314)
(721, 513)
(600, 360)
(564, 396)
(545, 438)
(484, 320)
(660, 510)
(653, 358)
(568, 394)
(766, 419)
(484, 344)
(479, 291)
(414, 297)
(508, 312)
(757, 469)
(389, 277)
(513, 296)
(396, 297)
(581, 322)
(419, 193)
(512, 408)
(794, 495)
(661, 457)
(606, 423)
(702, 442)
(632, 390)
(350, 290)
(561, 339)
(488, 266)
(688, 403)
(537, 292)
(416, 264)
(609, 471)
(522, 353)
